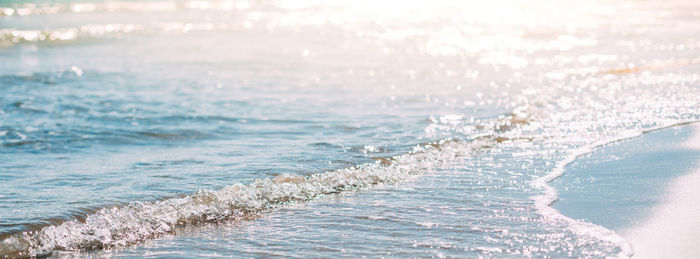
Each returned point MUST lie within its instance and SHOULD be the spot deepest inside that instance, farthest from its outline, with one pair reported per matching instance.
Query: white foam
(120, 226)
(9, 37)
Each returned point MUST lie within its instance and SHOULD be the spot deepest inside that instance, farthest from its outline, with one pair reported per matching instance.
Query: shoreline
(673, 227)
(626, 186)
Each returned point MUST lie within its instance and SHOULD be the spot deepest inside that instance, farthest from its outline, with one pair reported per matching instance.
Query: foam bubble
(137, 221)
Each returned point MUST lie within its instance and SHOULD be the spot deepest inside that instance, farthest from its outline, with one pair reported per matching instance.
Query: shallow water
(622, 181)
(304, 128)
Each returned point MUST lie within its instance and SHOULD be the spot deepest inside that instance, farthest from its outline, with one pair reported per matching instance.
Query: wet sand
(673, 228)
(647, 189)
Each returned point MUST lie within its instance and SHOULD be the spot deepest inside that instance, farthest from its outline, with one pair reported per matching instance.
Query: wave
(137, 221)
(9, 37)
(56, 140)
(120, 6)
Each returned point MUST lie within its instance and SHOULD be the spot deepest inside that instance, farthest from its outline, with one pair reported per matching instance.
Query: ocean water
(325, 128)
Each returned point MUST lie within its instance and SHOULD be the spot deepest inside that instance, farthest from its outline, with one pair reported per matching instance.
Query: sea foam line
(137, 221)
(121, 6)
(9, 37)
(544, 202)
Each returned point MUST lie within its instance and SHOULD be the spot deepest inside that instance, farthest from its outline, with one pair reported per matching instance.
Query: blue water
(313, 129)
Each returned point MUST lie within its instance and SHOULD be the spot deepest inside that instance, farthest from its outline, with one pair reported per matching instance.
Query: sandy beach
(673, 230)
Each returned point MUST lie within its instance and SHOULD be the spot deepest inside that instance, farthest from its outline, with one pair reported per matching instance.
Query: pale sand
(673, 230)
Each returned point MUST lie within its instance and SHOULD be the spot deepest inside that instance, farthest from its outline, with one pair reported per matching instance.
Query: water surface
(307, 128)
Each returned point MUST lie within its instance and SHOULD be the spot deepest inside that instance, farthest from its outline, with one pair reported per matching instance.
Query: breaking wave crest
(119, 6)
(9, 37)
(137, 221)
